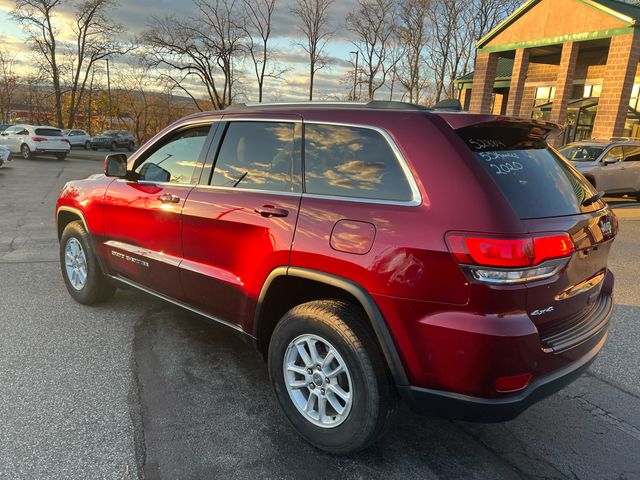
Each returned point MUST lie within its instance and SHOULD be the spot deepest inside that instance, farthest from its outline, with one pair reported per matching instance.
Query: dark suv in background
(371, 251)
(112, 140)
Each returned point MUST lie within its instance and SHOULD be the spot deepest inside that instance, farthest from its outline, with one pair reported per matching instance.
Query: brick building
(574, 62)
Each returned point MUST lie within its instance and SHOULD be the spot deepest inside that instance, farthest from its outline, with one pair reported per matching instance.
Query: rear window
(49, 132)
(535, 180)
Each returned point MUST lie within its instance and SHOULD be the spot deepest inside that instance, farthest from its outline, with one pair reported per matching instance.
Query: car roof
(324, 111)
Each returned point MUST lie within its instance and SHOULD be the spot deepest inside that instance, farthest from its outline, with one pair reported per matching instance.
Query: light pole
(355, 75)
(109, 92)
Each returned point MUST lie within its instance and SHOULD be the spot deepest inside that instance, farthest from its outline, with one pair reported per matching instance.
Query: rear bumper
(51, 150)
(464, 407)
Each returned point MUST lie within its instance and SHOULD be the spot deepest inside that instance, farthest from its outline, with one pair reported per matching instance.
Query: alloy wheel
(75, 262)
(318, 381)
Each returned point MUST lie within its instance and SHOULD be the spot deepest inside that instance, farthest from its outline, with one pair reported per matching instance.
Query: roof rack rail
(373, 104)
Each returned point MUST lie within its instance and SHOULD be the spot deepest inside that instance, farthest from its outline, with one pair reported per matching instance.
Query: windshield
(535, 180)
(581, 153)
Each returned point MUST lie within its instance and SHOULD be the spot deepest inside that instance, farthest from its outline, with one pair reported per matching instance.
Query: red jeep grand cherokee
(372, 251)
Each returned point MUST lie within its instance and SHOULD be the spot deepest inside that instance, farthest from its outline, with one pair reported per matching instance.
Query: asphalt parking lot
(136, 388)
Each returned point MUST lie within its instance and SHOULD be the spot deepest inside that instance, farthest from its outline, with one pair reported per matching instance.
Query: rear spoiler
(535, 129)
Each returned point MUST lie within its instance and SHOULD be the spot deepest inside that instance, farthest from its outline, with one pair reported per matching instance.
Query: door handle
(271, 211)
(168, 198)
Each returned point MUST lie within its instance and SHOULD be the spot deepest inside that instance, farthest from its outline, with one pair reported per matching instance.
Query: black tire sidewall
(95, 288)
(351, 435)
(114, 147)
(24, 148)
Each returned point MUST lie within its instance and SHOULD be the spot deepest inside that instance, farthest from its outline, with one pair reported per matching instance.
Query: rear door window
(535, 180)
(631, 154)
(350, 161)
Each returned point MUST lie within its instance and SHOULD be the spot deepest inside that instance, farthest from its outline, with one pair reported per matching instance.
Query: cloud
(135, 16)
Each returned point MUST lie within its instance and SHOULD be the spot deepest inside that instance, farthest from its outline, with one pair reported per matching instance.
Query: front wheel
(25, 151)
(330, 377)
(80, 269)
(87, 145)
(114, 147)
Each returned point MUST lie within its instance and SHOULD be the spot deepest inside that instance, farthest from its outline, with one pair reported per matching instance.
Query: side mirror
(610, 160)
(115, 165)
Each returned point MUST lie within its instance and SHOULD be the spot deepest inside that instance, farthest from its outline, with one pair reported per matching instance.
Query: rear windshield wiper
(593, 199)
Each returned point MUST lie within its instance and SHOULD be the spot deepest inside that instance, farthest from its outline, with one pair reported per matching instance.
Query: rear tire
(25, 151)
(359, 417)
(131, 146)
(87, 145)
(81, 271)
(114, 147)
(61, 156)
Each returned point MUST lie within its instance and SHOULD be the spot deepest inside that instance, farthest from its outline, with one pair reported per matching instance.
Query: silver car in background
(78, 138)
(613, 167)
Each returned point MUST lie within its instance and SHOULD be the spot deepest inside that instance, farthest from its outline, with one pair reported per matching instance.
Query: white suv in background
(78, 138)
(30, 140)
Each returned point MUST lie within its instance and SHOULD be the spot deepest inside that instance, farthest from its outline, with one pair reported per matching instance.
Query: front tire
(114, 147)
(330, 377)
(25, 151)
(80, 269)
(87, 145)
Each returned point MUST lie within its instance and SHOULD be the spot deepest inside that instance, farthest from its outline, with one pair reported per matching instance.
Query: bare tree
(313, 16)
(413, 34)
(203, 47)
(36, 18)
(258, 15)
(95, 39)
(374, 25)
(455, 27)
(8, 83)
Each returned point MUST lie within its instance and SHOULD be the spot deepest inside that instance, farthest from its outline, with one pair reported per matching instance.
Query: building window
(544, 95)
(592, 91)
(635, 96)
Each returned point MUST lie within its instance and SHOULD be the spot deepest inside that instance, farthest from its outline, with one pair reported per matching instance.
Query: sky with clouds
(331, 84)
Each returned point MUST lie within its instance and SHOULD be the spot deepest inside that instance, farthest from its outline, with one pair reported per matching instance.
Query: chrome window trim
(253, 190)
(416, 197)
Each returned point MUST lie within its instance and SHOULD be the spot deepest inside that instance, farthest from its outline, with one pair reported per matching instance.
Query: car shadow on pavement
(208, 411)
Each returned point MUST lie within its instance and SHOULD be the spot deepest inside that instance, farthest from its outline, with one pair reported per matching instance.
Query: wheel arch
(287, 287)
(66, 215)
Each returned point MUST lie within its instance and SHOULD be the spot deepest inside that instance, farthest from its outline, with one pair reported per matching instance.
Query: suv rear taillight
(496, 259)
(38, 139)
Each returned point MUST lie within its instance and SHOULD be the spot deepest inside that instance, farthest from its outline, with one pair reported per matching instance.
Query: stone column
(564, 86)
(622, 63)
(518, 77)
(564, 82)
(483, 79)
